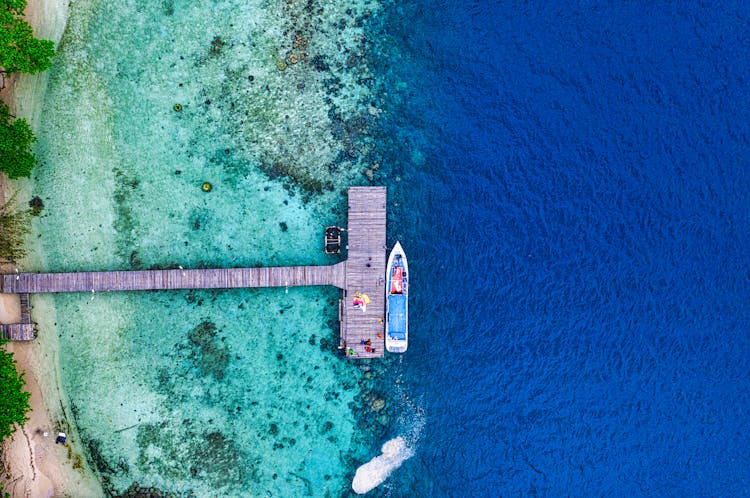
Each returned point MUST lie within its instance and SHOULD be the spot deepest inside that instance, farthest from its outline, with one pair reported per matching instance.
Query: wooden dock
(24, 331)
(363, 272)
(18, 331)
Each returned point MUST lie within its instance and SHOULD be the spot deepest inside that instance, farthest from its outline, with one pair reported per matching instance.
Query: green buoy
(206, 187)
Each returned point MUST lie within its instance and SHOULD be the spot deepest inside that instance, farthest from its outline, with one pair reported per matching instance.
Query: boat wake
(373, 473)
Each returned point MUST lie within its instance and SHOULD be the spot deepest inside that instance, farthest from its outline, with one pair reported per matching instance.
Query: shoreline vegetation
(31, 464)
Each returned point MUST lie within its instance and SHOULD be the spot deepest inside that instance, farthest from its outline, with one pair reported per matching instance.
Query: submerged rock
(217, 45)
(36, 205)
(377, 404)
(214, 354)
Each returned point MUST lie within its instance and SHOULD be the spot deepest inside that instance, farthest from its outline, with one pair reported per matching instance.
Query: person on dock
(360, 301)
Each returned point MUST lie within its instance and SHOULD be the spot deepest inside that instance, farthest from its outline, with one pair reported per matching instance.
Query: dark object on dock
(333, 240)
(62, 438)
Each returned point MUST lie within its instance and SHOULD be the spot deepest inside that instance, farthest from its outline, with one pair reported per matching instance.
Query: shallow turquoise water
(210, 390)
(236, 392)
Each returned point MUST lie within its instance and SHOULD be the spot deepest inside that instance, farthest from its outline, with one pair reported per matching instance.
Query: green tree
(17, 6)
(16, 158)
(14, 401)
(19, 50)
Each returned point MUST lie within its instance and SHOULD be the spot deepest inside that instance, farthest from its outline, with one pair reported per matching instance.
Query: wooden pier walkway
(219, 278)
(363, 272)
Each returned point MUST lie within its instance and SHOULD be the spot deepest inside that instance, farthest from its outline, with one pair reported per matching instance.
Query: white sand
(37, 466)
(33, 465)
(10, 308)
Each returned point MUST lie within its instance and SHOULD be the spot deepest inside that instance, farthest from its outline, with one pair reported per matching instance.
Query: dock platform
(24, 331)
(363, 274)
(18, 331)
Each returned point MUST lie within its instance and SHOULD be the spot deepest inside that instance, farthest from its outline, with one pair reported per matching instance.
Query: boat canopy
(397, 279)
(397, 317)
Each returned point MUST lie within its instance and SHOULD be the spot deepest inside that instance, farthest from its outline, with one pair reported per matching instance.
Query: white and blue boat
(397, 301)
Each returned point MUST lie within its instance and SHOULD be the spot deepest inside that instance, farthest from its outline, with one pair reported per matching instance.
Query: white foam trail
(373, 473)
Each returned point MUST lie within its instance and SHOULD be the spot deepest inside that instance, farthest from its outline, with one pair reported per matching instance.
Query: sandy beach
(33, 465)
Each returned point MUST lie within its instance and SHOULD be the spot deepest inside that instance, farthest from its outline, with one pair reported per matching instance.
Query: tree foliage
(14, 225)
(14, 401)
(16, 158)
(19, 50)
(15, 6)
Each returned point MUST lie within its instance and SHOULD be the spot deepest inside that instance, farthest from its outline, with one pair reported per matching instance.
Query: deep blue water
(578, 236)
